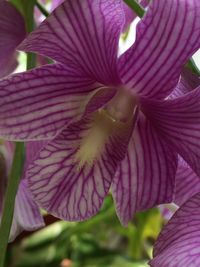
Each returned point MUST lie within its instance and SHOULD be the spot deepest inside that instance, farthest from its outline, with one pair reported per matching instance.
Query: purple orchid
(12, 32)
(179, 244)
(26, 213)
(187, 181)
(109, 120)
(188, 82)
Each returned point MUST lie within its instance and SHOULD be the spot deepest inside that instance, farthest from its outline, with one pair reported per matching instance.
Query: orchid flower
(12, 32)
(188, 82)
(26, 213)
(178, 243)
(108, 119)
(187, 181)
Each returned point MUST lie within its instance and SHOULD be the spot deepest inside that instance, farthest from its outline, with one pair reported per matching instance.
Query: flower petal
(167, 36)
(27, 216)
(27, 212)
(37, 104)
(179, 242)
(189, 79)
(84, 34)
(32, 151)
(178, 121)
(12, 32)
(188, 82)
(65, 187)
(146, 176)
(187, 183)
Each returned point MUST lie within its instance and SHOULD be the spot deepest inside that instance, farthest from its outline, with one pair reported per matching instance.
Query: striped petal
(179, 242)
(12, 32)
(178, 121)
(32, 151)
(26, 214)
(188, 82)
(146, 176)
(84, 34)
(167, 36)
(68, 187)
(189, 79)
(37, 104)
(187, 183)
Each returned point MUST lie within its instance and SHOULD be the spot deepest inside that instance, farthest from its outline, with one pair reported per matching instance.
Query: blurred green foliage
(98, 242)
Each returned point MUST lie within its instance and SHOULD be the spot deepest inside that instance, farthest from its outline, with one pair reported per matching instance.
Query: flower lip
(111, 120)
(100, 128)
(121, 107)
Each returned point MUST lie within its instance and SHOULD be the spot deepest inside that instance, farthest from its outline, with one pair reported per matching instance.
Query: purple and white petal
(166, 37)
(84, 34)
(26, 212)
(73, 173)
(178, 244)
(32, 151)
(188, 82)
(146, 176)
(12, 32)
(27, 216)
(178, 121)
(189, 79)
(187, 183)
(37, 104)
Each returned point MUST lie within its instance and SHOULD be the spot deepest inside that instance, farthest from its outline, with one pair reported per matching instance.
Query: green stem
(31, 60)
(28, 10)
(11, 191)
(18, 160)
(133, 4)
(42, 9)
(192, 65)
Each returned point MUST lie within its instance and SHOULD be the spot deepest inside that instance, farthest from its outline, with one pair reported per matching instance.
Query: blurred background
(98, 242)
